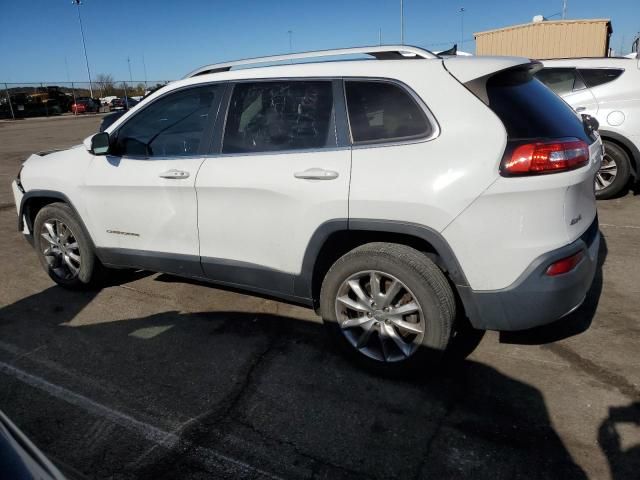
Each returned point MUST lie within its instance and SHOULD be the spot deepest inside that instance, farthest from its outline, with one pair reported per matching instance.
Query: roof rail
(382, 52)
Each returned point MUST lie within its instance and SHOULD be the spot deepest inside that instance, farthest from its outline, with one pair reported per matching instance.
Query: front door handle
(174, 174)
(580, 109)
(316, 174)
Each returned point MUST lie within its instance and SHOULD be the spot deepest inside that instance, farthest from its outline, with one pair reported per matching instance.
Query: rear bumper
(535, 298)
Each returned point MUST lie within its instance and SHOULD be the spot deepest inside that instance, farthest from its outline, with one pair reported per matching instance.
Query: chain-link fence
(22, 100)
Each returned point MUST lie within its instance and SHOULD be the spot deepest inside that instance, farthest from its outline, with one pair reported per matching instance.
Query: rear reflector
(565, 265)
(545, 157)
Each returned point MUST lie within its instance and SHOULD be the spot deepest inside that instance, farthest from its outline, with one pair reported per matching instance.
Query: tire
(616, 162)
(81, 268)
(422, 285)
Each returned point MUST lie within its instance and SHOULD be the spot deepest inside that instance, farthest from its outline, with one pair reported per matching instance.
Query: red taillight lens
(546, 157)
(565, 265)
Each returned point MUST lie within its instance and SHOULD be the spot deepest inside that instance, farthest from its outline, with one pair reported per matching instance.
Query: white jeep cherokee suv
(608, 89)
(395, 195)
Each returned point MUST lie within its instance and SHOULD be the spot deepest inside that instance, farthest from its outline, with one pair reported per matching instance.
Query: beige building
(548, 39)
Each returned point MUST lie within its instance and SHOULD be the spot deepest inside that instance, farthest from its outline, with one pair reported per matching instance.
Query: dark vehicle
(19, 458)
(110, 119)
(124, 103)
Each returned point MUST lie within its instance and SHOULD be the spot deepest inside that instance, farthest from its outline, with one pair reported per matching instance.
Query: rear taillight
(565, 265)
(545, 157)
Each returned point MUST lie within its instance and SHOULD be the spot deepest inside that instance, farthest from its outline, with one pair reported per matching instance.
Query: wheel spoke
(407, 326)
(364, 337)
(72, 268)
(357, 322)
(374, 280)
(51, 251)
(406, 309)
(360, 293)
(354, 305)
(49, 239)
(610, 168)
(72, 246)
(392, 292)
(600, 180)
(383, 336)
(73, 256)
(51, 231)
(404, 347)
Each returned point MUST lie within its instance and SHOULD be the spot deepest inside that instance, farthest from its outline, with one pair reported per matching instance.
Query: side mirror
(100, 143)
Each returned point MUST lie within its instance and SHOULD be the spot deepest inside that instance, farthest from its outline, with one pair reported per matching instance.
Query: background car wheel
(389, 307)
(64, 250)
(613, 176)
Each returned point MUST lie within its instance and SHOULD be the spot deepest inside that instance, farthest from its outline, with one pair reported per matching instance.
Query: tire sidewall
(64, 214)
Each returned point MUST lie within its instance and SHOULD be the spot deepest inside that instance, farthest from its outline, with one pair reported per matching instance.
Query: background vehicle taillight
(545, 157)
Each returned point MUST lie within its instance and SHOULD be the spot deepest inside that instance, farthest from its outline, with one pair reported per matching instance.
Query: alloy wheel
(380, 316)
(61, 250)
(607, 173)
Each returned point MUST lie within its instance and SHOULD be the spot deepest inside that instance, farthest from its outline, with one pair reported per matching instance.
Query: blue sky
(177, 36)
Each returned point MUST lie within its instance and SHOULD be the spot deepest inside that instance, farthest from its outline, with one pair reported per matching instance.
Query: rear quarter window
(599, 76)
(528, 109)
(381, 111)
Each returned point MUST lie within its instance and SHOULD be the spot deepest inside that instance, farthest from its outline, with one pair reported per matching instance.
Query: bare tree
(106, 83)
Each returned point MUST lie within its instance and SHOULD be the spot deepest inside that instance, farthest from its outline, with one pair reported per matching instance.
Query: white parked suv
(395, 195)
(609, 90)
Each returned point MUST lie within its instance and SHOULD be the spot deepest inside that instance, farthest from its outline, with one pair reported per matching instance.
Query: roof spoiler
(466, 69)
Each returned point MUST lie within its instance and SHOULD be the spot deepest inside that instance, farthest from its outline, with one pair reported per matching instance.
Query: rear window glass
(528, 109)
(599, 76)
(382, 111)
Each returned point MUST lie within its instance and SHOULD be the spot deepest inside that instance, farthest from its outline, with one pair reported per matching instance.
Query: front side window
(171, 126)
(560, 80)
(382, 111)
(599, 76)
(281, 115)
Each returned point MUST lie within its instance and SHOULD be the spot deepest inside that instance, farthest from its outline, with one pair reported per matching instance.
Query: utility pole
(84, 46)
(129, 65)
(461, 27)
(379, 36)
(564, 9)
(144, 67)
(401, 22)
(290, 32)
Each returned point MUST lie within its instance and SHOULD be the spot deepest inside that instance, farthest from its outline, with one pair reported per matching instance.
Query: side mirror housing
(100, 143)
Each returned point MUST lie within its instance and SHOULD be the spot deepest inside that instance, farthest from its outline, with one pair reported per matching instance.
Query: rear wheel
(64, 250)
(388, 306)
(614, 173)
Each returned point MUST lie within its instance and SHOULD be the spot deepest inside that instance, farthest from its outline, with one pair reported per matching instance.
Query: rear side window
(529, 110)
(382, 111)
(560, 80)
(599, 76)
(272, 116)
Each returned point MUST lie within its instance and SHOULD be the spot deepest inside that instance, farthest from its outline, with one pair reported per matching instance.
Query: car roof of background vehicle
(591, 62)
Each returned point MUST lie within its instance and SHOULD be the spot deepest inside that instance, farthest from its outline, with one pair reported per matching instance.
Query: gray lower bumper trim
(535, 298)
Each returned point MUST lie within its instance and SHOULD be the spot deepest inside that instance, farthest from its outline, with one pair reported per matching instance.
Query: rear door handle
(580, 109)
(174, 174)
(316, 174)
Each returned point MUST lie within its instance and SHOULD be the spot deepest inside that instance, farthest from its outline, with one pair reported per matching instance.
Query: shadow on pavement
(623, 462)
(272, 392)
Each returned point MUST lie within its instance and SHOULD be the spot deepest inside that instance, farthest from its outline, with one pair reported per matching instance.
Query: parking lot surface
(158, 377)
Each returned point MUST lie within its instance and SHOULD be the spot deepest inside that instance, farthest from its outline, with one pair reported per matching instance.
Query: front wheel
(614, 173)
(389, 306)
(64, 250)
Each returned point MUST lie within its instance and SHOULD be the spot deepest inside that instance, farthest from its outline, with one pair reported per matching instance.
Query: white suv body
(608, 89)
(298, 172)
